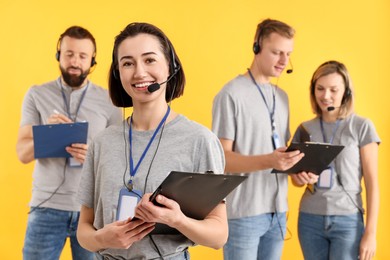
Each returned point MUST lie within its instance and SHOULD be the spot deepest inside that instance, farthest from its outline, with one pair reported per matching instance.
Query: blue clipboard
(50, 140)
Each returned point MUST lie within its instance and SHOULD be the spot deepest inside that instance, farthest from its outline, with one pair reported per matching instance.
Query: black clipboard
(317, 157)
(50, 140)
(196, 193)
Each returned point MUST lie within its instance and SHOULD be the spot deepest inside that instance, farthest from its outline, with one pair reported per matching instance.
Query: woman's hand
(367, 247)
(122, 234)
(303, 178)
(170, 214)
(211, 231)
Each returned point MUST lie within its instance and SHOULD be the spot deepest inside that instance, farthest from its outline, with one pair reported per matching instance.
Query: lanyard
(133, 170)
(333, 131)
(66, 101)
(271, 112)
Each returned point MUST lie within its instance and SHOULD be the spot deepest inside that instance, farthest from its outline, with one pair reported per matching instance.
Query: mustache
(74, 68)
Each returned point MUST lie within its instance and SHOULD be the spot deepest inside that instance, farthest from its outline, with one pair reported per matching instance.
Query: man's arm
(25, 144)
(278, 159)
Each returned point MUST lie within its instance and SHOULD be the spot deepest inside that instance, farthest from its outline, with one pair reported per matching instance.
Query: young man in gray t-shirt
(251, 119)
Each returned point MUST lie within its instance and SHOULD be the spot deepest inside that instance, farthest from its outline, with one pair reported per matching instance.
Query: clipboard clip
(154, 195)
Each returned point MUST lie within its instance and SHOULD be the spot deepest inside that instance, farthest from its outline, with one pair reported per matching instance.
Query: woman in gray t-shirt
(130, 161)
(330, 224)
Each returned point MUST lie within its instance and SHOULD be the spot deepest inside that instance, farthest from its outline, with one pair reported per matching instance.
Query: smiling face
(141, 62)
(274, 55)
(329, 91)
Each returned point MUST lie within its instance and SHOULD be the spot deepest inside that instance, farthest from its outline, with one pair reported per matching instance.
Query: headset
(262, 27)
(347, 94)
(174, 67)
(256, 44)
(58, 53)
(348, 91)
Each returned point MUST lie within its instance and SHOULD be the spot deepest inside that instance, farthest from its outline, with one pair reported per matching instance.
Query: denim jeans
(330, 237)
(47, 230)
(257, 237)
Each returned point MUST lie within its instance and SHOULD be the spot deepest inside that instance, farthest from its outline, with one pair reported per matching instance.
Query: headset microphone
(156, 86)
(290, 70)
(331, 108)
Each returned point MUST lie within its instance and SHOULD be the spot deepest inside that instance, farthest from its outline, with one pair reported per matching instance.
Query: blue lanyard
(271, 112)
(66, 101)
(133, 170)
(333, 131)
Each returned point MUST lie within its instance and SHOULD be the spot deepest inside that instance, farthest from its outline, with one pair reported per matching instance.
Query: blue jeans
(47, 230)
(330, 237)
(257, 237)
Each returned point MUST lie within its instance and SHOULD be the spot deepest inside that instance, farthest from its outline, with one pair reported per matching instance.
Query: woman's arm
(119, 234)
(211, 232)
(369, 160)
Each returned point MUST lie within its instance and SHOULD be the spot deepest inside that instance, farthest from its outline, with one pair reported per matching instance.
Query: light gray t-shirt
(241, 115)
(185, 146)
(39, 103)
(354, 132)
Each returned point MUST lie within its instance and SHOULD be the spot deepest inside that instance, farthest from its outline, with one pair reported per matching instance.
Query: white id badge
(73, 162)
(325, 180)
(127, 202)
(275, 140)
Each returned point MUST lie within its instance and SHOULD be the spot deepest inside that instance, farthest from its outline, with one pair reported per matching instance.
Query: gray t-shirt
(39, 103)
(185, 146)
(241, 115)
(354, 132)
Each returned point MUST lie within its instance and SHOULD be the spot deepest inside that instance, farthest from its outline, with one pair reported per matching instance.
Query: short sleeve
(224, 120)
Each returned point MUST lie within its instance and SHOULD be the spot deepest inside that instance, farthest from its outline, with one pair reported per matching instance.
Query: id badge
(275, 140)
(127, 202)
(72, 162)
(325, 180)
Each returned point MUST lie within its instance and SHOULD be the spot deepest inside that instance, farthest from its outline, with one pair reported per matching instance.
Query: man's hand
(57, 118)
(78, 151)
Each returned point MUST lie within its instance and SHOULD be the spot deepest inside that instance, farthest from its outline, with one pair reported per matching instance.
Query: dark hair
(325, 69)
(175, 86)
(268, 26)
(77, 32)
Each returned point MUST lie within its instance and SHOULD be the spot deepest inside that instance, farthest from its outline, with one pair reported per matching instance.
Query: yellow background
(213, 40)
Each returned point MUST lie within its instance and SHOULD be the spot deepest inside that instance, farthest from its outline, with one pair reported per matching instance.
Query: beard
(72, 80)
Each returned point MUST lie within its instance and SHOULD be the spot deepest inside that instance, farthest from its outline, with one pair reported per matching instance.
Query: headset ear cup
(93, 62)
(256, 48)
(347, 95)
(115, 74)
(173, 65)
(58, 53)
